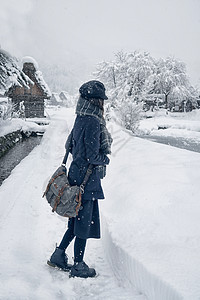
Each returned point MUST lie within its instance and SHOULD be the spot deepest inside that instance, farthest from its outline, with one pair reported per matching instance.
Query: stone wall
(8, 141)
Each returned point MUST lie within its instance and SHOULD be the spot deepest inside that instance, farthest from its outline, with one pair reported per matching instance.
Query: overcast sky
(89, 31)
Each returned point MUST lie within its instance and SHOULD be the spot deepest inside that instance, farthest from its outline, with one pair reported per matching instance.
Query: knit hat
(93, 89)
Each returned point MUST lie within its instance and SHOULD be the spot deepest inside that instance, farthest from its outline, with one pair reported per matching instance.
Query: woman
(90, 144)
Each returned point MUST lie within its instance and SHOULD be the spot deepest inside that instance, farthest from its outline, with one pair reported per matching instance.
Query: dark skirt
(87, 223)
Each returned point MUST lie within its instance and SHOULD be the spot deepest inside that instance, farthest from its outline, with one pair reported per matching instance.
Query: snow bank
(132, 273)
(13, 125)
(172, 124)
(152, 212)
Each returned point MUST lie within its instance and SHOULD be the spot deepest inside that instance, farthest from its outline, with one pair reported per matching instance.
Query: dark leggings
(79, 244)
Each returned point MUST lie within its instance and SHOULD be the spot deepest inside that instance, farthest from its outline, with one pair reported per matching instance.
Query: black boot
(80, 269)
(59, 259)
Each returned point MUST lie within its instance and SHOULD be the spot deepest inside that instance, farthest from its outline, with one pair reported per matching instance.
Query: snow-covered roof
(56, 97)
(3, 100)
(29, 59)
(64, 94)
(11, 74)
(38, 75)
(155, 95)
(40, 80)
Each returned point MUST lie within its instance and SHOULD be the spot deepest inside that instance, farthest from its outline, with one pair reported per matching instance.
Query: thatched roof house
(55, 99)
(34, 96)
(66, 98)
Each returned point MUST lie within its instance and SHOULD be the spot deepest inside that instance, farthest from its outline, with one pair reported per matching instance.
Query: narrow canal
(179, 142)
(13, 157)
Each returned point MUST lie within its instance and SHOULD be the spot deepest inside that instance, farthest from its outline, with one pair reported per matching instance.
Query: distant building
(181, 106)
(64, 96)
(66, 99)
(32, 97)
(152, 101)
(55, 99)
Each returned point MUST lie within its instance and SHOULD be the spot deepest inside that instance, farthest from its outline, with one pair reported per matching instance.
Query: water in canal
(179, 142)
(13, 157)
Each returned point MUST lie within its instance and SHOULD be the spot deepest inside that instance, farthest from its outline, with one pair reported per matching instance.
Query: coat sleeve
(92, 144)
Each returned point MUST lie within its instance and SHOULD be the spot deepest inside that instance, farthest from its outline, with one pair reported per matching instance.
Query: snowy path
(29, 231)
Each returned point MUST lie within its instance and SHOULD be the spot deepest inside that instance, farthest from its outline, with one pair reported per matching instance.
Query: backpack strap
(65, 158)
(87, 175)
(68, 146)
(89, 170)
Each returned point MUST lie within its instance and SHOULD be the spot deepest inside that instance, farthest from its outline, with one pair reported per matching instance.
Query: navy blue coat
(86, 150)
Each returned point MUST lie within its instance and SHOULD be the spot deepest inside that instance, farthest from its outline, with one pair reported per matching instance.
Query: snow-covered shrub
(129, 114)
(20, 113)
(8, 111)
(5, 111)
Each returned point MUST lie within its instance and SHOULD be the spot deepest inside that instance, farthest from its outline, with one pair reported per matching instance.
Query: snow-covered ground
(185, 125)
(29, 232)
(152, 211)
(150, 238)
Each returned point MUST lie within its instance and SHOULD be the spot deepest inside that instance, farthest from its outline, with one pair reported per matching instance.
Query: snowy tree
(126, 79)
(5, 111)
(132, 77)
(138, 74)
(170, 78)
(113, 73)
(107, 72)
(142, 66)
(127, 76)
(10, 72)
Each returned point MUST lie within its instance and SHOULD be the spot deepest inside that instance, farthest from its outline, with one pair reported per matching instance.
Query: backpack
(65, 199)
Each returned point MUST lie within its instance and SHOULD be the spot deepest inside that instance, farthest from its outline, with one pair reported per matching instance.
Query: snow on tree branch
(134, 75)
